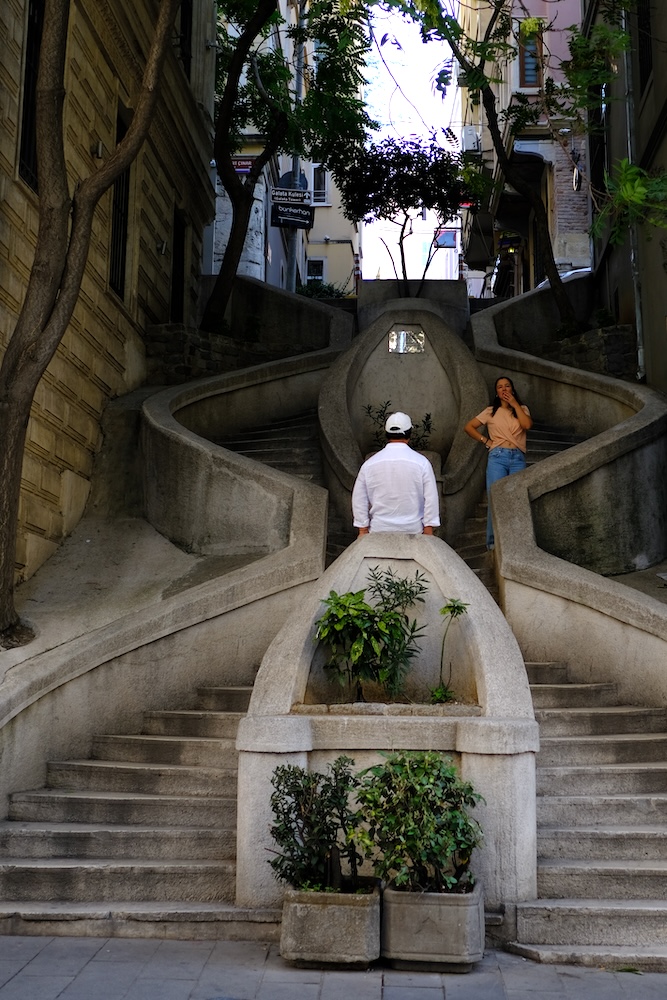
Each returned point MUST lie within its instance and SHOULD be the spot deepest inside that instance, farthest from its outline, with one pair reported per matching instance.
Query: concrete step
(192, 723)
(602, 810)
(59, 806)
(573, 695)
(613, 879)
(148, 779)
(615, 748)
(611, 719)
(593, 922)
(224, 699)
(609, 842)
(186, 750)
(602, 779)
(548, 672)
(96, 840)
(80, 880)
(614, 957)
(165, 920)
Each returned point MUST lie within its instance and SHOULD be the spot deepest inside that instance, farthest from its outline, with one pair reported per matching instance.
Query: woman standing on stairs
(506, 422)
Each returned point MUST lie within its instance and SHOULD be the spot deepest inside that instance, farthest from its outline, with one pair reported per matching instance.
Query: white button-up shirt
(396, 491)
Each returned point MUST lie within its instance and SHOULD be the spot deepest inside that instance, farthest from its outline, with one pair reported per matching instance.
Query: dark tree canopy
(396, 179)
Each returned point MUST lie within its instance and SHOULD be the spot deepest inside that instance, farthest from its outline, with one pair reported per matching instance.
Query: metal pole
(293, 246)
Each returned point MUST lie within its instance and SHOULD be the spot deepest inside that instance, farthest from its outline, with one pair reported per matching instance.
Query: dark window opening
(530, 62)
(120, 211)
(185, 38)
(177, 292)
(644, 47)
(28, 150)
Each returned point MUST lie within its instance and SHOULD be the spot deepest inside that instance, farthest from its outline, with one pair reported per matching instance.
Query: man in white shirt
(395, 489)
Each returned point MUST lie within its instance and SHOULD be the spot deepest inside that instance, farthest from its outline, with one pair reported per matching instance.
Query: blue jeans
(502, 462)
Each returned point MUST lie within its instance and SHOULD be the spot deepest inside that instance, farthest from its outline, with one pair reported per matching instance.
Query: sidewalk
(43, 968)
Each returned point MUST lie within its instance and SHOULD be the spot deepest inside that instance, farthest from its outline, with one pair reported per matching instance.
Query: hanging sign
(296, 216)
(243, 164)
(291, 196)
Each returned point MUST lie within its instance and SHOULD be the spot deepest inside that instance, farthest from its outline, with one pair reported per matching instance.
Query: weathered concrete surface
(210, 500)
(495, 750)
(443, 381)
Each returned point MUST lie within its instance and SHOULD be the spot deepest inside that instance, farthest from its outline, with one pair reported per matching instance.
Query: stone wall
(102, 353)
(609, 350)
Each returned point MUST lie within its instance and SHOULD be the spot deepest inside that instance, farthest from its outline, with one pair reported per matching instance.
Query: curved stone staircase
(601, 828)
(140, 839)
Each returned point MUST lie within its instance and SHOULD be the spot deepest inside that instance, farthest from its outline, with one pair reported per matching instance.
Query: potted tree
(331, 914)
(416, 828)
(372, 642)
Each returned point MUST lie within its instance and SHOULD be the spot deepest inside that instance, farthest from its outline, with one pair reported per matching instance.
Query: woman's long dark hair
(497, 402)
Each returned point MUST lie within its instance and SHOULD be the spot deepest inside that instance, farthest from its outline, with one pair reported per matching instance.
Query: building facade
(631, 277)
(145, 255)
(502, 239)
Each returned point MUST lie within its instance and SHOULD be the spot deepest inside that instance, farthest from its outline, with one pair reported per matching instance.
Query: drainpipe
(634, 237)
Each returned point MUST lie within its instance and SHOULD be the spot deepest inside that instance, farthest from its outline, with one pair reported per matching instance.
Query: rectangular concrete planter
(433, 930)
(331, 928)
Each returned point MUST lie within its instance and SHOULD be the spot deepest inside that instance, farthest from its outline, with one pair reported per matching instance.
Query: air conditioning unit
(470, 140)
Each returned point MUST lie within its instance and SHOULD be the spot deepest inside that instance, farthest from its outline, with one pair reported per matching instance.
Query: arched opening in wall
(177, 290)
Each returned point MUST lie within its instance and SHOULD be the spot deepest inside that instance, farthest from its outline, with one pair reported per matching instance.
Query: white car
(565, 274)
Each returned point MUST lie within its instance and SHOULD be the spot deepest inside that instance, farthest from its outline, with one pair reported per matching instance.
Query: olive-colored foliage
(452, 610)
(372, 642)
(421, 429)
(314, 826)
(415, 824)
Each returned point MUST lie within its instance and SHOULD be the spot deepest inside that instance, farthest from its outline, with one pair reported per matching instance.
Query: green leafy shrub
(314, 827)
(372, 642)
(416, 827)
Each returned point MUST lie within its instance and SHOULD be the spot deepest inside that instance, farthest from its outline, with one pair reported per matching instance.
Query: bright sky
(402, 97)
(407, 104)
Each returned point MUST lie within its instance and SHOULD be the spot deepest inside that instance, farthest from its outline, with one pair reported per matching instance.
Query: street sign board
(242, 164)
(295, 216)
(293, 196)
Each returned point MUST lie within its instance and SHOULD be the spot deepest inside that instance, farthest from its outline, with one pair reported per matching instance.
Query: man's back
(396, 491)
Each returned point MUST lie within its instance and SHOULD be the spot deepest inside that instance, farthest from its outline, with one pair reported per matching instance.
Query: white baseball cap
(398, 423)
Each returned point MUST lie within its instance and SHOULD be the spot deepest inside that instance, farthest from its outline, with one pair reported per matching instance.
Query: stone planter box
(433, 931)
(331, 928)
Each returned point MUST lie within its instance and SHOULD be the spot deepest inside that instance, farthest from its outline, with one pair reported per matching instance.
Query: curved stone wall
(443, 381)
(602, 502)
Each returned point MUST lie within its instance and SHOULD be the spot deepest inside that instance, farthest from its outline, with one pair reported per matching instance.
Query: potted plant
(416, 828)
(372, 642)
(331, 914)
(452, 610)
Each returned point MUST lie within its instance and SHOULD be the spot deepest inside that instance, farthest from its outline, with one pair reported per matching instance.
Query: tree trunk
(242, 200)
(59, 262)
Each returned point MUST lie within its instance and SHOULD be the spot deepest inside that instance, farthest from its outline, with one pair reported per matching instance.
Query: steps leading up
(542, 442)
(601, 829)
(138, 840)
(293, 446)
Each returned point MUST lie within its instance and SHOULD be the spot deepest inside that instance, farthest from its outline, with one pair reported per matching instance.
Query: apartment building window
(644, 47)
(530, 62)
(28, 149)
(320, 195)
(314, 269)
(120, 212)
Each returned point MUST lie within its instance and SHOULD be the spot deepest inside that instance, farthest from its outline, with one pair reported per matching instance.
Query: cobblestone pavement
(43, 968)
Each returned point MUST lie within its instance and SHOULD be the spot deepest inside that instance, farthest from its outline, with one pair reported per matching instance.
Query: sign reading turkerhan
(296, 216)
